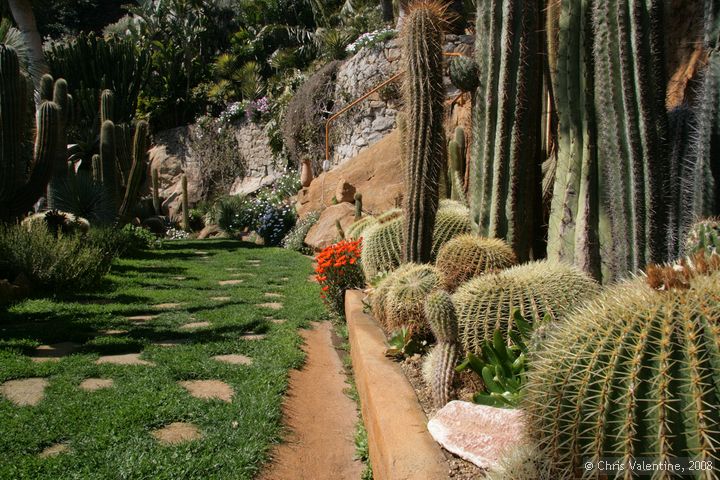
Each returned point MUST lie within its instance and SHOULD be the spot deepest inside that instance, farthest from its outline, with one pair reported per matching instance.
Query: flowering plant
(371, 38)
(339, 270)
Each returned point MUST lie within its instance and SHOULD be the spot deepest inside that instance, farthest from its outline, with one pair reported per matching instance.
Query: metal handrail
(363, 97)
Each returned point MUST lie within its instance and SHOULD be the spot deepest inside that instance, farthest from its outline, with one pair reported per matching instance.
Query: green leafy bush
(54, 264)
(295, 239)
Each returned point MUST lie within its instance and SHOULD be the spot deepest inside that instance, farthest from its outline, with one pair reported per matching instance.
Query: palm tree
(25, 19)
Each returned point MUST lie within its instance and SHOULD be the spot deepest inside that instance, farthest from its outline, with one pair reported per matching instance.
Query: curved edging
(400, 445)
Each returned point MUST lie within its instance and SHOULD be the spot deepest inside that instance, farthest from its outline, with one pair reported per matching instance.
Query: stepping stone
(54, 450)
(142, 318)
(271, 305)
(176, 433)
(221, 299)
(230, 282)
(113, 332)
(172, 342)
(274, 295)
(278, 321)
(233, 359)
(167, 306)
(179, 277)
(24, 392)
(126, 359)
(285, 279)
(194, 325)
(478, 433)
(92, 384)
(53, 352)
(231, 269)
(208, 389)
(198, 252)
(253, 336)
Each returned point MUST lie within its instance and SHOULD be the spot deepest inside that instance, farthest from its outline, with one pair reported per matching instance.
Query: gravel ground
(465, 386)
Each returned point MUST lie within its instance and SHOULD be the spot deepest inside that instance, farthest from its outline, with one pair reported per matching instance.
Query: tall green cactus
(62, 99)
(358, 206)
(456, 165)
(157, 205)
(633, 374)
(107, 106)
(24, 173)
(425, 153)
(574, 215)
(185, 205)
(505, 168)
(139, 162)
(440, 313)
(632, 154)
(108, 159)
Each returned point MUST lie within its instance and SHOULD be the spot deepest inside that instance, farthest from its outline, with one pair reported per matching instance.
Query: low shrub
(339, 270)
(295, 239)
(275, 222)
(55, 263)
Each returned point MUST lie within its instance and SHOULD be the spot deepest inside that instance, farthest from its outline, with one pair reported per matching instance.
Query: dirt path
(319, 417)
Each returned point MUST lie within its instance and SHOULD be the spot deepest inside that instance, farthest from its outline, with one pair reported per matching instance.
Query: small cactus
(440, 313)
(139, 161)
(358, 206)
(464, 74)
(703, 235)
(185, 205)
(538, 288)
(157, 204)
(468, 256)
(631, 374)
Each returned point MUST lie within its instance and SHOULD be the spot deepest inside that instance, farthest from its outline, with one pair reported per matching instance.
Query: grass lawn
(108, 431)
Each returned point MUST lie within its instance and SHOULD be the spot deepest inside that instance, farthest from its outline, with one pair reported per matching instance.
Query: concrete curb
(401, 447)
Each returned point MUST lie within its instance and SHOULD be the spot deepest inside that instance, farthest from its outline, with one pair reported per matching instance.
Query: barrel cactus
(538, 288)
(425, 149)
(464, 74)
(523, 462)
(406, 296)
(467, 256)
(357, 229)
(703, 235)
(440, 314)
(632, 374)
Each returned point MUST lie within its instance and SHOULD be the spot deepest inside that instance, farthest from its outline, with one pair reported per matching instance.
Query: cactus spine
(425, 153)
(23, 174)
(139, 161)
(157, 205)
(633, 374)
(440, 312)
(574, 216)
(185, 205)
(358, 206)
(632, 159)
(505, 171)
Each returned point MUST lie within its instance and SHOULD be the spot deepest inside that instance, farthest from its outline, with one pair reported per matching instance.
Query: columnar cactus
(23, 174)
(505, 171)
(632, 126)
(107, 106)
(108, 159)
(468, 256)
(681, 213)
(633, 374)
(487, 302)
(574, 216)
(139, 161)
(157, 205)
(185, 205)
(425, 154)
(97, 169)
(440, 313)
(358, 206)
(62, 99)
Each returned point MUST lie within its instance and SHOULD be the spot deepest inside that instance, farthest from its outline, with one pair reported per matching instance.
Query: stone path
(93, 384)
(234, 359)
(230, 282)
(194, 325)
(208, 389)
(320, 417)
(25, 392)
(271, 305)
(125, 359)
(177, 432)
(54, 450)
(53, 352)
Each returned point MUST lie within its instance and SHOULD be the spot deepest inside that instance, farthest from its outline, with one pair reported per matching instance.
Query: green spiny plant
(704, 235)
(425, 153)
(440, 313)
(157, 204)
(24, 171)
(632, 374)
(632, 134)
(140, 158)
(358, 206)
(185, 204)
(357, 229)
(523, 462)
(468, 256)
(406, 296)
(456, 165)
(464, 74)
(486, 303)
(107, 106)
(574, 217)
(97, 170)
(505, 172)
(108, 159)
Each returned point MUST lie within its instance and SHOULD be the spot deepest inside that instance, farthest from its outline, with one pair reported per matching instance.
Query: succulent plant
(464, 74)
(504, 193)
(425, 149)
(24, 171)
(704, 235)
(440, 314)
(632, 374)
(523, 462)
(538, 288)
(185, 204)
(406, 296)
(358, 206)
(357, 229)
(467, 256)
(157, 204)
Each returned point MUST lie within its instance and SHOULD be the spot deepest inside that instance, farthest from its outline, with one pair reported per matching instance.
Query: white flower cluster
(370, 38)
(234, 111)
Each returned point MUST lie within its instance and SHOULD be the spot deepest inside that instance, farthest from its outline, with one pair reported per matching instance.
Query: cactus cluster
(24, 170)
(440, 314)
(632, 374)
(538, 288)
(468, 256)
(405, 297)
(425, 149)
(704, 235)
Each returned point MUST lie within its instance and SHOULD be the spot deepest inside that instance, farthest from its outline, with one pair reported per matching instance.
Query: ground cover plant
(161, 297)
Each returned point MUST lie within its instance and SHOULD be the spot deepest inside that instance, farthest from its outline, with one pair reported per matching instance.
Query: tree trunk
(25, 19)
